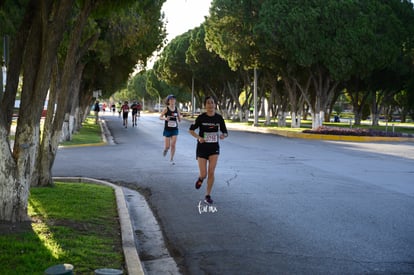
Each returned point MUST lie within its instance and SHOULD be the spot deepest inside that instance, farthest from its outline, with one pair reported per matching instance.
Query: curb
(132, 261)
(106, 134)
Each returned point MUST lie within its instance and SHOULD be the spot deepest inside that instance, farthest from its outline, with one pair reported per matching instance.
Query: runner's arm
(162, 115)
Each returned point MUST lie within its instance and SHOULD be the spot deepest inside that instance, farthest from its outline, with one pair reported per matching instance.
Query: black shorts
(125, 115)
(205, 150)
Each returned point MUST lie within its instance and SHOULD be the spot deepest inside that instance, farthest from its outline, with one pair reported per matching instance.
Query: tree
(16, 167)
(44, 29)
(136, 86)
(63, 92)
(171, 66)
(129, 33)
(211, 74)
(333, 41)
(229, 33)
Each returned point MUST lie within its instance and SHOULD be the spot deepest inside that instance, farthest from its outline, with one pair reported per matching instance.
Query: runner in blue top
(208, 148)
(172, 116)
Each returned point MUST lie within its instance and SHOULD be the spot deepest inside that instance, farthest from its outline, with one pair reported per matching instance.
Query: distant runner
(172, 116)
(125, 111)
(136, 108)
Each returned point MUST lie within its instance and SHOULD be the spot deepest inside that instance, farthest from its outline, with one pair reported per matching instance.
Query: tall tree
(230, 33)
(333, 40)
(129, 33)
(62, 92)
(172, 66)
(46, 32)
(211, 73)
(46, 24)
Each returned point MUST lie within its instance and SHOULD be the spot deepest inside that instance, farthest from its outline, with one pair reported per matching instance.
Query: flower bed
(351, 132)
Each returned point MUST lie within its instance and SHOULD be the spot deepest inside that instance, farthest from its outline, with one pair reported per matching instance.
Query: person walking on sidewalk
(209, 124)
(125, 111)
(96, 109)
(172, 116)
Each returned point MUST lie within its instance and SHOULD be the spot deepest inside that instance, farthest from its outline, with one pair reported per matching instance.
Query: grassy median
(89, 134)
(72, 223)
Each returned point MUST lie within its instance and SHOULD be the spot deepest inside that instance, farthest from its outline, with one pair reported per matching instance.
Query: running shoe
(198, 183)
(208, 199)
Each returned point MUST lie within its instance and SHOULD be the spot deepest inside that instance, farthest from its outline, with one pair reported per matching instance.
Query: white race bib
(211, 137)
(172, 123)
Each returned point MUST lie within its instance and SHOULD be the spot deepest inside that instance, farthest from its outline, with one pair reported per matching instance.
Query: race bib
(211, 137)
(172, 123)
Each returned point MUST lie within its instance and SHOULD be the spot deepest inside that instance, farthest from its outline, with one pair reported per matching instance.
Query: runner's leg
(212, 162)
(173, 142)
(166, 144)
(202, 167)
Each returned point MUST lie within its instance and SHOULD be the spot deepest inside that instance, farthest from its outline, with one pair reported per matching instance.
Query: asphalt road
(281, 205)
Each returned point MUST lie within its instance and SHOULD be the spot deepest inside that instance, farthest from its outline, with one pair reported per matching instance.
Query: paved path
(283, 205)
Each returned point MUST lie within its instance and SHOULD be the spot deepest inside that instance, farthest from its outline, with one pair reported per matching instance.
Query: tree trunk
(74, 119)
(41, 175)
(233, 91)
(358, 100)
(312, 101)
(44, 38)
(65, 90)
(295, 99)
(374, 109)
(10, 195)
(325, 89)
(14, 66)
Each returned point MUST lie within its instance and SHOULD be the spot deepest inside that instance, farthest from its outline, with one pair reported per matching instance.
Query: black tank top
(171, 124)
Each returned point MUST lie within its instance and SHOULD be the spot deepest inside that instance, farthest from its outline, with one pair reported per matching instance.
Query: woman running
(208, 148)
(172, 116)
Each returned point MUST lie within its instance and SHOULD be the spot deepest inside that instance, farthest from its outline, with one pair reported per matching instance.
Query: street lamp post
(256, 119)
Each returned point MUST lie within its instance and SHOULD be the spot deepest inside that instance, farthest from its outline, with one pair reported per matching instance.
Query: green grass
(71, 223)
(89, 133)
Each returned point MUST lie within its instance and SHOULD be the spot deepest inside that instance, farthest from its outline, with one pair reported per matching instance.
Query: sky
(181, 16)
